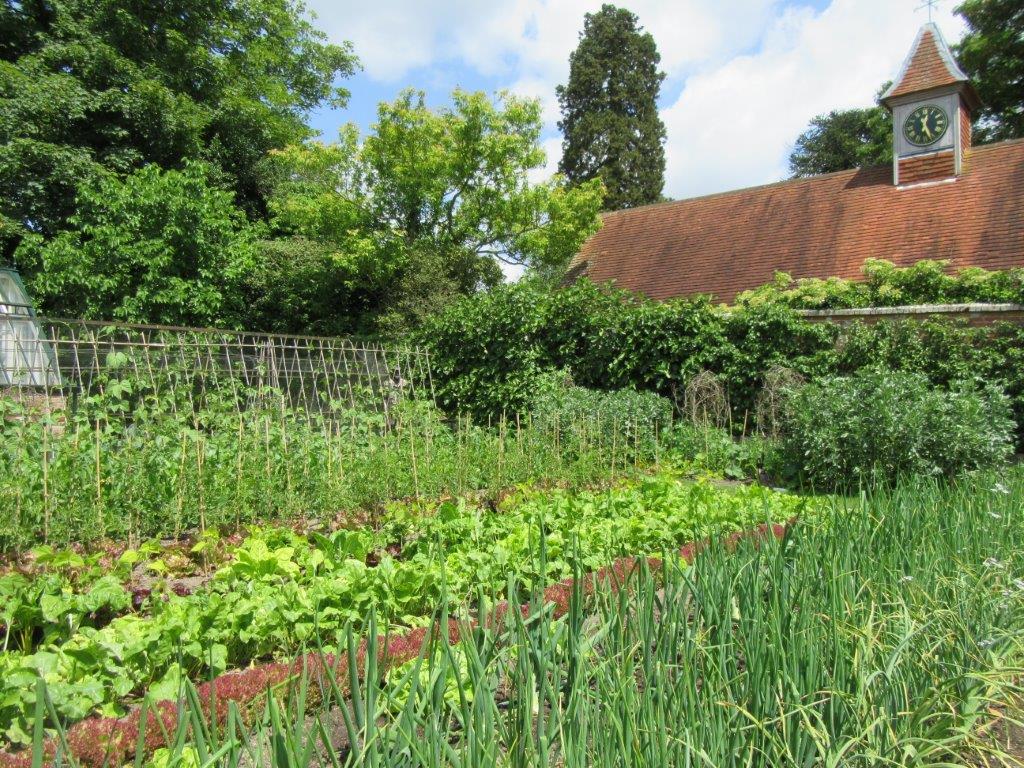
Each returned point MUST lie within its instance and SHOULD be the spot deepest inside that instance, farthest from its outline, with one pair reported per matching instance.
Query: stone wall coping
(913, 309)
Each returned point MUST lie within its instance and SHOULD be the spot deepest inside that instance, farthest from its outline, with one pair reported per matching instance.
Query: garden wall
(975, 315)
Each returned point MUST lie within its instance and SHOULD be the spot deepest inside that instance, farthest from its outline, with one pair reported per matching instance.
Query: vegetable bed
(277, 591)
(885, 629)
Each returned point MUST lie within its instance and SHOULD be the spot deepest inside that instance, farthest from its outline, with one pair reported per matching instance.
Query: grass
(886, 633)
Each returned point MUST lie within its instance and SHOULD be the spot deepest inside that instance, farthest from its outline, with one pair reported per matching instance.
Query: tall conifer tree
(610, 120)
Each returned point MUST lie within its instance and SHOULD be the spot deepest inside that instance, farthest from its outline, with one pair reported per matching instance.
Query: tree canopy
(158, 246)
(992, 52)
(610, 121)
(157, 166)
(842, 139)
(94, 87)
(429, 204)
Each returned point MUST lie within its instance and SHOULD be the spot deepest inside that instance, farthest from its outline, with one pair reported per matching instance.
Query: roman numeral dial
(926, 125)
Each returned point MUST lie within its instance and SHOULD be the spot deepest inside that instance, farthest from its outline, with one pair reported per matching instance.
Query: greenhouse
(26, 355)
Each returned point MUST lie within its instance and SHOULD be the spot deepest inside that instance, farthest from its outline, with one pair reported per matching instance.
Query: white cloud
(749, 74)
(529, 38)
(552, 146)
(733, 125)
(392, 36)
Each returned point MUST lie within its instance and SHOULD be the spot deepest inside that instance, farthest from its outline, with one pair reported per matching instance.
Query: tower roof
(929, 65)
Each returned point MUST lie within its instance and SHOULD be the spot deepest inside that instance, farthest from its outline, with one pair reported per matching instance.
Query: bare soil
(1005, 737)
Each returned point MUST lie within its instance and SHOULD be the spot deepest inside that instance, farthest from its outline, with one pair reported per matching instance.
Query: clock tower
(931, 102)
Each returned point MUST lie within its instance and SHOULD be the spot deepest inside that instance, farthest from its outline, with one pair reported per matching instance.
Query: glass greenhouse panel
(26, 355)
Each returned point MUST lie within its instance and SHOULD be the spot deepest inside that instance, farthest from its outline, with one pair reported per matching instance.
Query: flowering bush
(886, 285)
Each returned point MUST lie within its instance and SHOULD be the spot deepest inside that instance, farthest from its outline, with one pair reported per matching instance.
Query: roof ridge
(767, 185)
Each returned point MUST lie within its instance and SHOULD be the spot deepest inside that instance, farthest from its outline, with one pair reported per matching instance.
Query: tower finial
(930, 5)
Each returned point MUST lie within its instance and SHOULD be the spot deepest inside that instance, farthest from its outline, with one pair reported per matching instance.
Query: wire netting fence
(55, 363)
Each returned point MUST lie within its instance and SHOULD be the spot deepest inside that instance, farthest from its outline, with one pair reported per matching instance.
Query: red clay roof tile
(821, 226)
(929, 65)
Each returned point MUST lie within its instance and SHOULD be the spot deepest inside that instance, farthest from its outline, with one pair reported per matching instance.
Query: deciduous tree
(90, 87)
(431, 203)
(156, 247)
(992, 52)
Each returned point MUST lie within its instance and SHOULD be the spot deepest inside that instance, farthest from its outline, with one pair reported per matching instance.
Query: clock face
(926, 125)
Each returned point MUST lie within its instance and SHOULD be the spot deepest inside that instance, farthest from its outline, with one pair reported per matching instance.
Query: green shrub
(879, 425)
(484, 357)
(489, 352)
(945, 351)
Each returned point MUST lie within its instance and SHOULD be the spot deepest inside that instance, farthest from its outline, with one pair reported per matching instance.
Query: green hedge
(489, 351)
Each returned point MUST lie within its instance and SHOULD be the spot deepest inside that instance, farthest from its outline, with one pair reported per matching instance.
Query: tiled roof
(815, 227)
(929, 65)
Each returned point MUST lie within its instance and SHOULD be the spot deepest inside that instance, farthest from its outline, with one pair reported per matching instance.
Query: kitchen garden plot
(99, 641)
(879, 629)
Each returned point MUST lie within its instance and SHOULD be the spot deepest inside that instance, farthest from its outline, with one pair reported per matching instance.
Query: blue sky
(744, 76)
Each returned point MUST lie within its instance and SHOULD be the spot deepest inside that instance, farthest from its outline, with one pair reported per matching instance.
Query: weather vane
(930, 5)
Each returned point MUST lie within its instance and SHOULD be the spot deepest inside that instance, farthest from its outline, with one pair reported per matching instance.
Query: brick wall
(914, 170)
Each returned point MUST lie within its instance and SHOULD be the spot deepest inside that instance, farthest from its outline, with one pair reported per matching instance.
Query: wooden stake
(202, 497)
(238, 471)
(46, 484)
(99, 482)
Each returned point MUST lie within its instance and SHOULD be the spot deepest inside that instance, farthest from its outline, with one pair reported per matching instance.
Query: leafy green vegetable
(281, 591)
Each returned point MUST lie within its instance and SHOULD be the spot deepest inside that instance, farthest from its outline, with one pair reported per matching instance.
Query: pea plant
(132, 462)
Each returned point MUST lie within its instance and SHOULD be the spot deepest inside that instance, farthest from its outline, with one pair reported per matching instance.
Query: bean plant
(130, 463)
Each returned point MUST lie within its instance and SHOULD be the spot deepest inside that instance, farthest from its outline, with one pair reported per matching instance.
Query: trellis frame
(63, 359)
